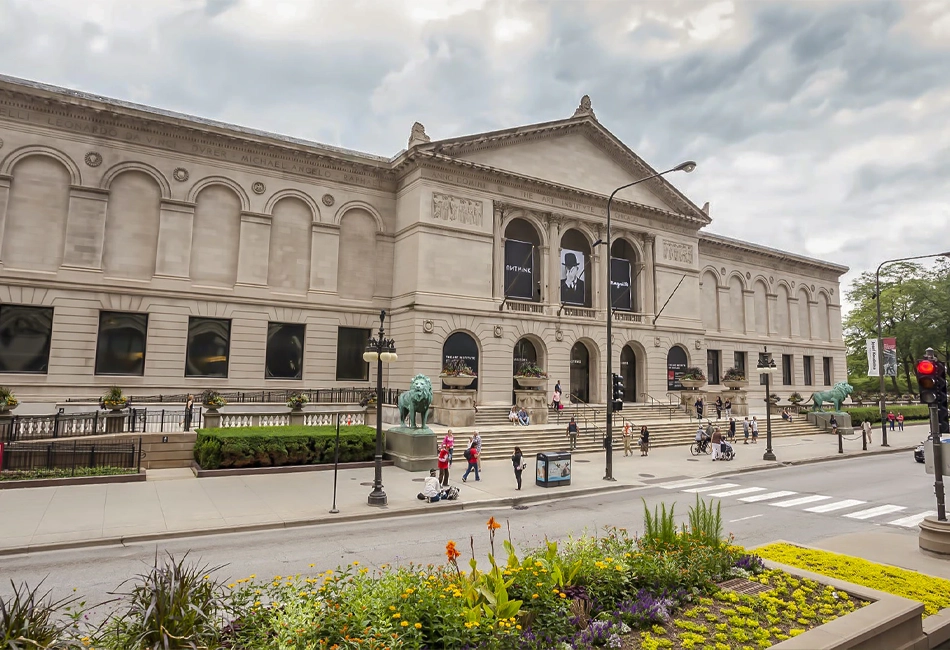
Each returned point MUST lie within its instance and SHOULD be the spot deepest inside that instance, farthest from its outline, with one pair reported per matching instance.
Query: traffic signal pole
(938, 464)
(932, 383)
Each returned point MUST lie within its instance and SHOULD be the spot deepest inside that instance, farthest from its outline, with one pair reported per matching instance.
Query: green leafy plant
(873, 413)
(528, 369)
(457, 368)
(693, 373)
(733, 374)
(796, 398)
(297, 401)
(289, 445)
(31, 619)
(33, 474)
(8, 400)
(212, 399)
(660, 525)
(114, 399)
(705, 523)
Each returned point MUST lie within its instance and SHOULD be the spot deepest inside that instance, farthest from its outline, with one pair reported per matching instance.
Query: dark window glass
(676, 363)
(459, 346)
(826, 368)
(738, 361)
(25, 334)
(788, 371)
(350, 346)
(284, 357)
(121, 346)
(209, 345)
(712, 366)
(807, 363)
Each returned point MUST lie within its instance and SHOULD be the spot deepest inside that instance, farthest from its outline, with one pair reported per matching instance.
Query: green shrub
(873, 413)
(274, 446)
(30, 618)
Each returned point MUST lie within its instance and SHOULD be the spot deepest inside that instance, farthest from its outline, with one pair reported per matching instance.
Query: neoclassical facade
(163, 253)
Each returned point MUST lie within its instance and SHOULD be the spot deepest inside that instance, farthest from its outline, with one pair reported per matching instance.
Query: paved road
(756, 506)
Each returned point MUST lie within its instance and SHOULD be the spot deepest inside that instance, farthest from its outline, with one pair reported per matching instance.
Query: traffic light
(617, 393)
(943, 416)
(932, 383)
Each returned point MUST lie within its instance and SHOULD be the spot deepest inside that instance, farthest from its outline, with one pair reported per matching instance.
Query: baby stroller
(726, 452)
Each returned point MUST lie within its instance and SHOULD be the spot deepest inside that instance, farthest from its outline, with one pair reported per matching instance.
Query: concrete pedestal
(296, 418)
(455, 408)
(740, 401)
(6, 422)
(211, 420)
(934, 536)
(535, 402)
(412, 449)
(822, 419)
(115, 422)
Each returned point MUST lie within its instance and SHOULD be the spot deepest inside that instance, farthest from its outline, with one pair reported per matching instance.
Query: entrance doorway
(628, 370)
(580, 372)
(524, 353)
(676, 363)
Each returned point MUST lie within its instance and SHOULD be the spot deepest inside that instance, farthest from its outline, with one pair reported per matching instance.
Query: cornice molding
(712, 242)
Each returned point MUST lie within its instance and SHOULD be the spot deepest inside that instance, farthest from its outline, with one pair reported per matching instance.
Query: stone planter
(693, 384)
(457, 382)
(4, 408)
(733, 384)
(531, 382)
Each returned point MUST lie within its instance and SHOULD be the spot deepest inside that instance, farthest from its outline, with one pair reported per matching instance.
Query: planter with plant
(530, 375)
(693, 378)
(457, 374)
(734, 379)
(8, 400)
(212, 400)
(297, 401)
(114, 399)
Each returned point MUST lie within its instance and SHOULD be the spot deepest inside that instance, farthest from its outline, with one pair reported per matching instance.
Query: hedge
(292, 445)
(873, 413)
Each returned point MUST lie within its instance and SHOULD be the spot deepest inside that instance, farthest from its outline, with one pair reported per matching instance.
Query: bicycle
(698, 448)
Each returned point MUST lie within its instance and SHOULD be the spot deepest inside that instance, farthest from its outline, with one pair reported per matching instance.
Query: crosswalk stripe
(732, 493)
(712, 487)
(766, 497)
(837, 505)
(874, 512)
(799, 501)
(675, 485)
(913, 520)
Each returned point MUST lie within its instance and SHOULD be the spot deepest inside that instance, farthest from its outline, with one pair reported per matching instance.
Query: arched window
(523, 272)
(624, 276)
(216, 236)
(580, 372)
(36, 214)
(676, 363)
(461, 347)
(576, 280)
(709, 296)
(132, 220)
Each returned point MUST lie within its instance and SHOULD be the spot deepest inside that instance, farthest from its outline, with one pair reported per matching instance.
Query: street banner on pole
(873, 370)
(889, 346)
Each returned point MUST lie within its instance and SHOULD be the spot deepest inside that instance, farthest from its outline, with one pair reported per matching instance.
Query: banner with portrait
(519, 270)
(889, 349)
(573, 287)
(621, 296)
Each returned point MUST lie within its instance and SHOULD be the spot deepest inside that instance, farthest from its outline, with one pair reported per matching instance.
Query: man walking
(745, 430)
(471, 455)
(627, 451)
(572, 433)
(716, 443)
(866, 428)
(755, 430)
(477, 442)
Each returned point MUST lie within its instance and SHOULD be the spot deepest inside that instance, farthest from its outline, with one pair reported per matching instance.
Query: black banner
(676, 363)
(519, 270)
(620, 281)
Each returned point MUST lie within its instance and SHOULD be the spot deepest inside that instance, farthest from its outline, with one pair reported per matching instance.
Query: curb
(811, 461)
(300, 523)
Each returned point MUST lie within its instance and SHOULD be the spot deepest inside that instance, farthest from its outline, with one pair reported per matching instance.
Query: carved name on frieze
(674, 252)
(456, 210)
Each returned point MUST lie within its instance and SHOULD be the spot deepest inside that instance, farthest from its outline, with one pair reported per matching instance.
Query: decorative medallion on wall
(93, 158)
(180, 174)
(812, 287)
(258, 188)
(699, 344)
(831, 292)
(427, 326)
(748, 276)
(1, 143)
(771, 280)
(558, 335)
(656, 341)
(723, 270)
(793, 284)
(498, 331)
(328, 200)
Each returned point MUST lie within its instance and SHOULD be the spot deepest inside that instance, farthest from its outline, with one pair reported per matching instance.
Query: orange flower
(492, 524)
(450, 551)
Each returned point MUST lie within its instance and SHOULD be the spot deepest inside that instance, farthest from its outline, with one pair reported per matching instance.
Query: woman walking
(443, 466)
(644, 441)
(471, 455)
(517, 461)
(449, 443)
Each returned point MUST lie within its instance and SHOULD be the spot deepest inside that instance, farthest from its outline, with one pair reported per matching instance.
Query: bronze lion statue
(417, 399)
(836, 396)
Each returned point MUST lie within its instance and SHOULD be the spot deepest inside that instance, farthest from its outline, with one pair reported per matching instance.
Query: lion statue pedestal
(837, 395)
(412, 446)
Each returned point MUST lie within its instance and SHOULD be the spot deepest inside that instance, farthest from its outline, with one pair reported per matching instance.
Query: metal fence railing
(71, 455)
(21, 428)
(316, 395)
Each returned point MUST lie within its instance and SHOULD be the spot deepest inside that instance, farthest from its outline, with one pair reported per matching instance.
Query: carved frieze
(453, 209)
(677, 252)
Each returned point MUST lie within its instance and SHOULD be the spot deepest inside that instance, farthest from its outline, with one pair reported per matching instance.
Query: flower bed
(291, 445)
(933, 592)
(34, 474)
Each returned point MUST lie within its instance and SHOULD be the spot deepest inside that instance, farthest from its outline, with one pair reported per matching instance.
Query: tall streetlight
(687, 167)
(766, 366)
(880, 342)
(381, 350)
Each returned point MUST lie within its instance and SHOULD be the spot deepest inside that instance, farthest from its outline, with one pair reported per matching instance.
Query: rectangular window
(120, 349)
(25, 335)
(284, 356)
(209, 346)
(788, 370)
(826, 369)
(350, 346)
(807, 363)
(738, 362)
(712, 366)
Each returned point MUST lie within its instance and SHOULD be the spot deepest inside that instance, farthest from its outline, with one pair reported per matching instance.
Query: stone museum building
(167, 253)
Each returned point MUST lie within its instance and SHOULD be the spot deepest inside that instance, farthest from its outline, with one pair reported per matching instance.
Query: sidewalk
(173, 503)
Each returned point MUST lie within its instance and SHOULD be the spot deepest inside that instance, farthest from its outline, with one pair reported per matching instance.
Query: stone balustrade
(231, 419)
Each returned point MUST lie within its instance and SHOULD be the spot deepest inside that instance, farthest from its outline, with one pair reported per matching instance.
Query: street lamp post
(766, 366)
(381, 350)
(687, 167)
(880, 341)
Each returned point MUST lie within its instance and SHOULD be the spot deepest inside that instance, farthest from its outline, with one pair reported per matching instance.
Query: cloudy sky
(819, 127)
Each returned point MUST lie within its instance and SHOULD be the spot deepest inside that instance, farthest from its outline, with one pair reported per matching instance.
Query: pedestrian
(866, 428)
(745, 430)
(900, 421)
(644, 441)
(627, 451)
(189, 407)
(471, 455)
(523, 418)
(557, 391)
(732, 429)
(572, 433)
(556, 400)
(891, 418)
(699, 408)
(431, 491)
(517, 461)
(477, 441)
(727, 407)
(443, 466)
(719, 408)
(834, 425)
(716, 443)
(449, 443)
(755, 430)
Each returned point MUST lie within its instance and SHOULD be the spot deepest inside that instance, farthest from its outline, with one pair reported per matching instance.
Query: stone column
(85, 227)
(498, 254)
(596, 277)
(725, 304)
(649, 278)
(748, 302)
(813, 317)
(545, 279)
(771, 300)
(794, 328)
(254, 248)
(554, 260)
(324, 256)
(176, 223)
(5, 182)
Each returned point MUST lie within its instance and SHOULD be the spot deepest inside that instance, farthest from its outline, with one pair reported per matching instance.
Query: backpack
(467, 453)
(452, 493)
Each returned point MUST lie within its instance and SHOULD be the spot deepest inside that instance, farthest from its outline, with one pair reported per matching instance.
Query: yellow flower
(418, 626)
(533, 596)
(397, 615)
(405, 623)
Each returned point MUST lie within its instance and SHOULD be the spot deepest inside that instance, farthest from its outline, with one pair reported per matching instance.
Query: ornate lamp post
(880, 342)
(766, 366)
(381, 350)
(687, 167)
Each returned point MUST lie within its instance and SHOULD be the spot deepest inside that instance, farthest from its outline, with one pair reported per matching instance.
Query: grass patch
(933, 592)
(274, 446)
(33, 474)
(873, 413)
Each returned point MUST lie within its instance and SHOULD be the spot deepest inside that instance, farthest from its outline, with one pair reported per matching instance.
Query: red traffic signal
(926, 367)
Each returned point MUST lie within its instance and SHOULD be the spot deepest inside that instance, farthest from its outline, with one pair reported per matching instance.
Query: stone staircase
(176, 451)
